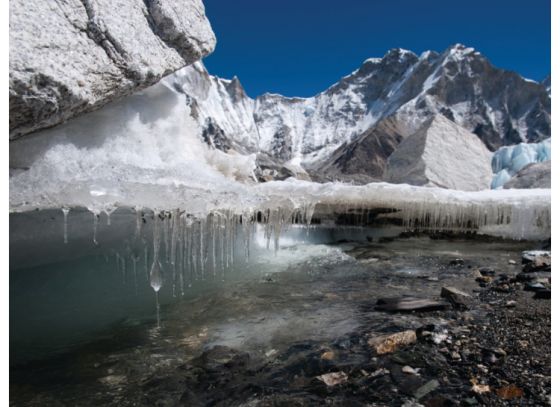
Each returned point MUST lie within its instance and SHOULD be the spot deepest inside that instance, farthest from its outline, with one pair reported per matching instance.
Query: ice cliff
(510, 160)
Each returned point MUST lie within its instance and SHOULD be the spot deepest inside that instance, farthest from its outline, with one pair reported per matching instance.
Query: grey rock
(535, 175)
(71, 57)
(409, 304)
(426, 388)
(458, 298)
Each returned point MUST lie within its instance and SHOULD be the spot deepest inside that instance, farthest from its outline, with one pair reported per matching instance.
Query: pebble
(411, 370)
(511, 304)
(332, 379)
(329, 355)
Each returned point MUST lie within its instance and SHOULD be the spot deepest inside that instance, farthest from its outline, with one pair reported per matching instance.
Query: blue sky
(299, 48)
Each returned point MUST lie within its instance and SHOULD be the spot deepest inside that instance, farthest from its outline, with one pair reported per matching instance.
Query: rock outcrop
(70, 57)
(363, 160)
(441, 154)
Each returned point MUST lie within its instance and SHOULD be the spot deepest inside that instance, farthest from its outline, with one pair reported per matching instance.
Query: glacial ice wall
(509, 160)
(144, 152)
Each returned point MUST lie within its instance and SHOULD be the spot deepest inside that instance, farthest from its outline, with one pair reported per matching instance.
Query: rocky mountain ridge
(402, 89)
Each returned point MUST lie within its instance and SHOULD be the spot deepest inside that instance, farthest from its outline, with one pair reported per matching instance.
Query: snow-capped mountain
(499, 106)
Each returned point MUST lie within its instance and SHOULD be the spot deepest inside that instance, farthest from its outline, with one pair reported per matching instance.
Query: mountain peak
(459, 51)
(235, 89)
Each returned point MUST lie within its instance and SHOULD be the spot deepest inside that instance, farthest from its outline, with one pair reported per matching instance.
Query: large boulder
(535, 175)
(69, 57)
(441, 154)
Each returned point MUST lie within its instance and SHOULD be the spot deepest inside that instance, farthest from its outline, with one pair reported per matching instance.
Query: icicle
(108, 212)
(138, 222)
(166, 235)
(135, 258)
(123, 269)
(65, 212)
(118, 261)
(213, 232)
(95, 222)
(201, 247)
(156, 277)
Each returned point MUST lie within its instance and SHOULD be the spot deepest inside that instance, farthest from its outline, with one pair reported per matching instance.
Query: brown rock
(390, 343)
(329, 355)
(509, 392)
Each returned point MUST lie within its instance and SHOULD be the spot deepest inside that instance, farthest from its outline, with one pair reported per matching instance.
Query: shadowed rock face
(71, 57)
(536, 175)
(364, 159)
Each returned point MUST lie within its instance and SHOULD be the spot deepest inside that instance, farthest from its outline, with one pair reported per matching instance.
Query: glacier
(145, 153)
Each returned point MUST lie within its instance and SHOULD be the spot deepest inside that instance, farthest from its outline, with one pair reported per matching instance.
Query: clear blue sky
(300, 47)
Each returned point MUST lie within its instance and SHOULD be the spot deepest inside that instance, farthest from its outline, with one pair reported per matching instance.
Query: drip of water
(156, 276)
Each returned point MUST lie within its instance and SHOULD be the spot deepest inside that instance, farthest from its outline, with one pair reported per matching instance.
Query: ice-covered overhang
(519, 214)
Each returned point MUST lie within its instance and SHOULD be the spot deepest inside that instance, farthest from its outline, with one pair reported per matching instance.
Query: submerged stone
(390, 343)
(409, 304)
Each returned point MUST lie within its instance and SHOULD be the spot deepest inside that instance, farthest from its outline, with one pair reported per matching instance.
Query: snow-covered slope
(442, 154)
(499, 106)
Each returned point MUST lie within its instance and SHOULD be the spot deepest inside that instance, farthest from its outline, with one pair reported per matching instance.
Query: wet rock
(439, 401)
(536, 287)
(220, 357)
(390, 343)
(379, 372)
(509, 392)
(432, 333)
(536, 260)
(479, 388)
(426, 388)
(483, 279)
(458, 298)
(512, 262)
(487, 271)
(410, 370)
(457, 262)
(329, 355)
(533, 276)
(543, 294)
(332, 379)
(409, 304)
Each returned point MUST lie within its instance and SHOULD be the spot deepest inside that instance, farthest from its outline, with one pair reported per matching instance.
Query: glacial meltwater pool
(84, 331)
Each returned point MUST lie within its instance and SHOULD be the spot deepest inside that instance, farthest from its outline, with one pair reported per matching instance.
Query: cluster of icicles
(189, 248)
(192, 248)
